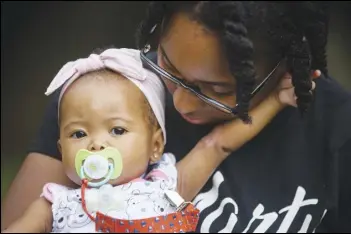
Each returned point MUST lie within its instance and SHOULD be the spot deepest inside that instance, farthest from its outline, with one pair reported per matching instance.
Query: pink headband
(124, 61)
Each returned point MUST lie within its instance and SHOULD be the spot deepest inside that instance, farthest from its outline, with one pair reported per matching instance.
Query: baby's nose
(97, 146)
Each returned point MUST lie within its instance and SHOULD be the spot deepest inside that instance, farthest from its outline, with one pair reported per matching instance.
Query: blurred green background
(37, 38)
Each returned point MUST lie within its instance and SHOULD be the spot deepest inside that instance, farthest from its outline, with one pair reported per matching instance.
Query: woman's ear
(158, 146)
(59, 146)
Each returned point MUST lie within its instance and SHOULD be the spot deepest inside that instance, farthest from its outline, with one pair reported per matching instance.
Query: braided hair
(296, 30)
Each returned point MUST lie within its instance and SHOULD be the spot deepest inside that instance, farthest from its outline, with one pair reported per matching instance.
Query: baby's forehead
(104, 76)
(102, 89)
(103, 79)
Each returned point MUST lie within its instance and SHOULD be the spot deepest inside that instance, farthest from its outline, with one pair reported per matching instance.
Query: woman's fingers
(287, 96)
(286, 93)
(286, 82)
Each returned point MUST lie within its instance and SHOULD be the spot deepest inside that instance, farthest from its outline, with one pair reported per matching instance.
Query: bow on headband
(124, 61)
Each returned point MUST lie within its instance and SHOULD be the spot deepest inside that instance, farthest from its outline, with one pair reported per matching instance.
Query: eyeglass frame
(210, 101)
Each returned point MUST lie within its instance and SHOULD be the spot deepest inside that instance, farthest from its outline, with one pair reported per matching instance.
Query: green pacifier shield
(108, 153)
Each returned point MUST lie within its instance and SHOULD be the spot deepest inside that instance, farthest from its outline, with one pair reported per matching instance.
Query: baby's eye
(78, 134)
(118, 131)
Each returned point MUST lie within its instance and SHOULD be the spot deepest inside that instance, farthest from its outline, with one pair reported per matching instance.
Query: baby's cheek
(132, 169)
(72, 175)
(68, 159)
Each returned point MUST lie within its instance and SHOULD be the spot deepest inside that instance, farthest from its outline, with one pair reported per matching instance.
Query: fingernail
(287, 76)
(317, 73)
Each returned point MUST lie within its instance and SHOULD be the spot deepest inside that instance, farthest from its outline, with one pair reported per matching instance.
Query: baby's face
(105, 112)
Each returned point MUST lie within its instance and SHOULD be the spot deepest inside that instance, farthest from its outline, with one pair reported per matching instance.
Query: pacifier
(102, 165)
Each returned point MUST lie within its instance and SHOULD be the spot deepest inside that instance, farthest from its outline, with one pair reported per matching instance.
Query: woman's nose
(185, 101)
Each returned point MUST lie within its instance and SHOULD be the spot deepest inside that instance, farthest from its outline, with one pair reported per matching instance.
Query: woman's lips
(193, 120)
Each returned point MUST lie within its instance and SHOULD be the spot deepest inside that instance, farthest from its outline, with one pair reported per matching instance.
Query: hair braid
(298, 54)
(226, 18)
(238, 49)
(313, 18)
(307, 47)
(301, 72)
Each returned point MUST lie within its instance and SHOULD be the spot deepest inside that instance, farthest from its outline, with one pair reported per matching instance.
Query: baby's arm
(36, 219)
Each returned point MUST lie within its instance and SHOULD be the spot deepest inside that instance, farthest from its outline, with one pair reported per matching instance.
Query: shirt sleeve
(51, 191)
(45, 140)
(165, 172)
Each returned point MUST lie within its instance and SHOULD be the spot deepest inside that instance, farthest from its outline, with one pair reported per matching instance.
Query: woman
(292, 176)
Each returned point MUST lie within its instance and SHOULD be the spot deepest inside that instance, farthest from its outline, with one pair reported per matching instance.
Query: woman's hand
(285, 91)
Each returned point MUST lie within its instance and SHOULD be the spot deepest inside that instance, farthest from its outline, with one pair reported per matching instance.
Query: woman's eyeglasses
(195, 90)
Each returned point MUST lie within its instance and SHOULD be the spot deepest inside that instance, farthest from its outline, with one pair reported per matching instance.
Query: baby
(112, 137)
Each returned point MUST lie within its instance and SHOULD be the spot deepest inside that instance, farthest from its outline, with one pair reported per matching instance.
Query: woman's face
(188, 51)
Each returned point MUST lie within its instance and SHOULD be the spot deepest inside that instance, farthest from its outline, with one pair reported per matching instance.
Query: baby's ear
(158, 146)
(59, 146)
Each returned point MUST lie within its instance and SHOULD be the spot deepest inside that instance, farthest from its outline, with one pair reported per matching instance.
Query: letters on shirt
(207, 199)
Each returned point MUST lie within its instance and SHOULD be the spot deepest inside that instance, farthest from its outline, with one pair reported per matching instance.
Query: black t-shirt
(294, 176)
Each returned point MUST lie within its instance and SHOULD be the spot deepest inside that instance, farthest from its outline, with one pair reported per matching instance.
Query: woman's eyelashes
(223, 91)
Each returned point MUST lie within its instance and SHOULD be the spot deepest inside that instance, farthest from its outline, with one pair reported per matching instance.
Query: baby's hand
(285, 91)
